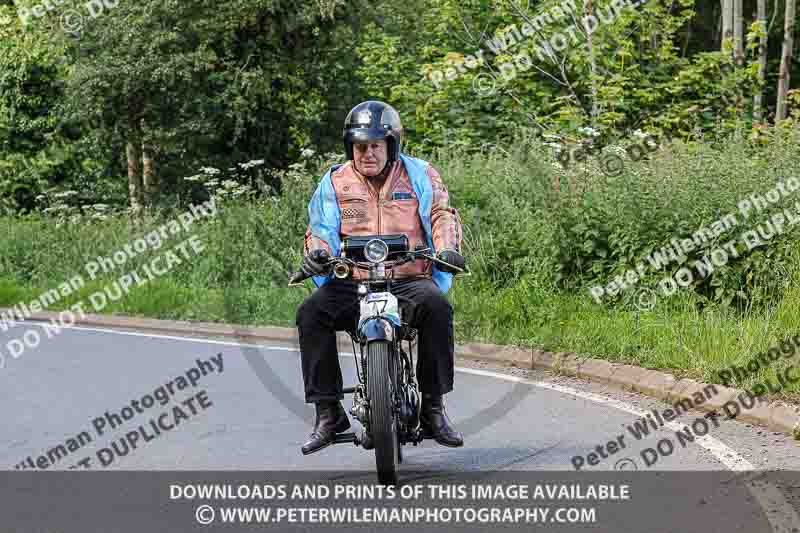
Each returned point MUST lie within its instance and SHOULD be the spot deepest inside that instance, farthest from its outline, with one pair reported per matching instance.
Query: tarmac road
(111, 400)
(255, 417)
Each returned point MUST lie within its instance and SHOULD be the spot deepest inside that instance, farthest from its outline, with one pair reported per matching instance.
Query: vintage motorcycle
(386, 400)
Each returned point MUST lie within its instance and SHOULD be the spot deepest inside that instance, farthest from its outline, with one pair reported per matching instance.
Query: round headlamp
(376, 251)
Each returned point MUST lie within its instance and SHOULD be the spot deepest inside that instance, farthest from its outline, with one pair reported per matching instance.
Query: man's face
(370, 158)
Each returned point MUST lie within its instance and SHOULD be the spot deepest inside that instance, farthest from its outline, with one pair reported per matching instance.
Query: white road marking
(780, 514)
(170, 337)
(718, 449)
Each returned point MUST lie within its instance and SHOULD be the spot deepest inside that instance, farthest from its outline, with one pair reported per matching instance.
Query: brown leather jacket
(393, 209)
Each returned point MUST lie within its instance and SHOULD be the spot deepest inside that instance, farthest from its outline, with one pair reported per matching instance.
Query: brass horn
(341, 270)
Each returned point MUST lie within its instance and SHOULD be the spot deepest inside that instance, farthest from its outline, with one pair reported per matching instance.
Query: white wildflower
(65, 194)
(251, 164)
(589, 131)
(209, 170)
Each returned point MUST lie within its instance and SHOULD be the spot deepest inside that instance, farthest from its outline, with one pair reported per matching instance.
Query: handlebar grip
(298, 276)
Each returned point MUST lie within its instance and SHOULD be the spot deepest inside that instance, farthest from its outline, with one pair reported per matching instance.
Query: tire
(382, 421)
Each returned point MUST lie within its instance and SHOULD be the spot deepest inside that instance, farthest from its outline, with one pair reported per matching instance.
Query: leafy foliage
(479, 83)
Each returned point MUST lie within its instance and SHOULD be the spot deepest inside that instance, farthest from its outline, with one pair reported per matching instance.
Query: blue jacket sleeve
(324, 221)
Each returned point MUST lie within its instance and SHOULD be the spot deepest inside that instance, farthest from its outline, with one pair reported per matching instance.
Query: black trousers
(334, 307)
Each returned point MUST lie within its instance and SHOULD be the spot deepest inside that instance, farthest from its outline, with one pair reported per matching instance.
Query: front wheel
(382, 421)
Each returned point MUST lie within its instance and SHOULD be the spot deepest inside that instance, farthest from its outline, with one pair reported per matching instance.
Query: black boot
(436, 424)
(331, 419)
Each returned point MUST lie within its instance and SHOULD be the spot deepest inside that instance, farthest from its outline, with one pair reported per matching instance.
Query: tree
(727, 21)
(785, 76)
(34, 152)
(762, 61)
(186, 84)
(140, 70)
(738, 31)
(587, 10)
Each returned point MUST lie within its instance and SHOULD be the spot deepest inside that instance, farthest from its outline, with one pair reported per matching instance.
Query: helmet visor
(365, 135)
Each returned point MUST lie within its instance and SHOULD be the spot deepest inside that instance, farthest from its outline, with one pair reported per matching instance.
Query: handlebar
(301, 275)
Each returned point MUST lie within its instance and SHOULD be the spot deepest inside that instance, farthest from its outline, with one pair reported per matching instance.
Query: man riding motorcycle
(379, 191)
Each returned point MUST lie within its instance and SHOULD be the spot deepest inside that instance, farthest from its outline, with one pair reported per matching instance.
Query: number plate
(381, 303)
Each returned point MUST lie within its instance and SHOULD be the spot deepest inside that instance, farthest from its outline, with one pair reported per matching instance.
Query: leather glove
(315, 262)
(452, 257)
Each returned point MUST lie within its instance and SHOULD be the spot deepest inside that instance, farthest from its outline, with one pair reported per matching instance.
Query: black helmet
(373, 121)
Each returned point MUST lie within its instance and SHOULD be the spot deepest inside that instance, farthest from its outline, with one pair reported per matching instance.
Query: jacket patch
(352, 212)
(402, 196)
(354, 190)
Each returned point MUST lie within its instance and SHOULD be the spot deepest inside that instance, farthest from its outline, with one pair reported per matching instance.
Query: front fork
(406, 400)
